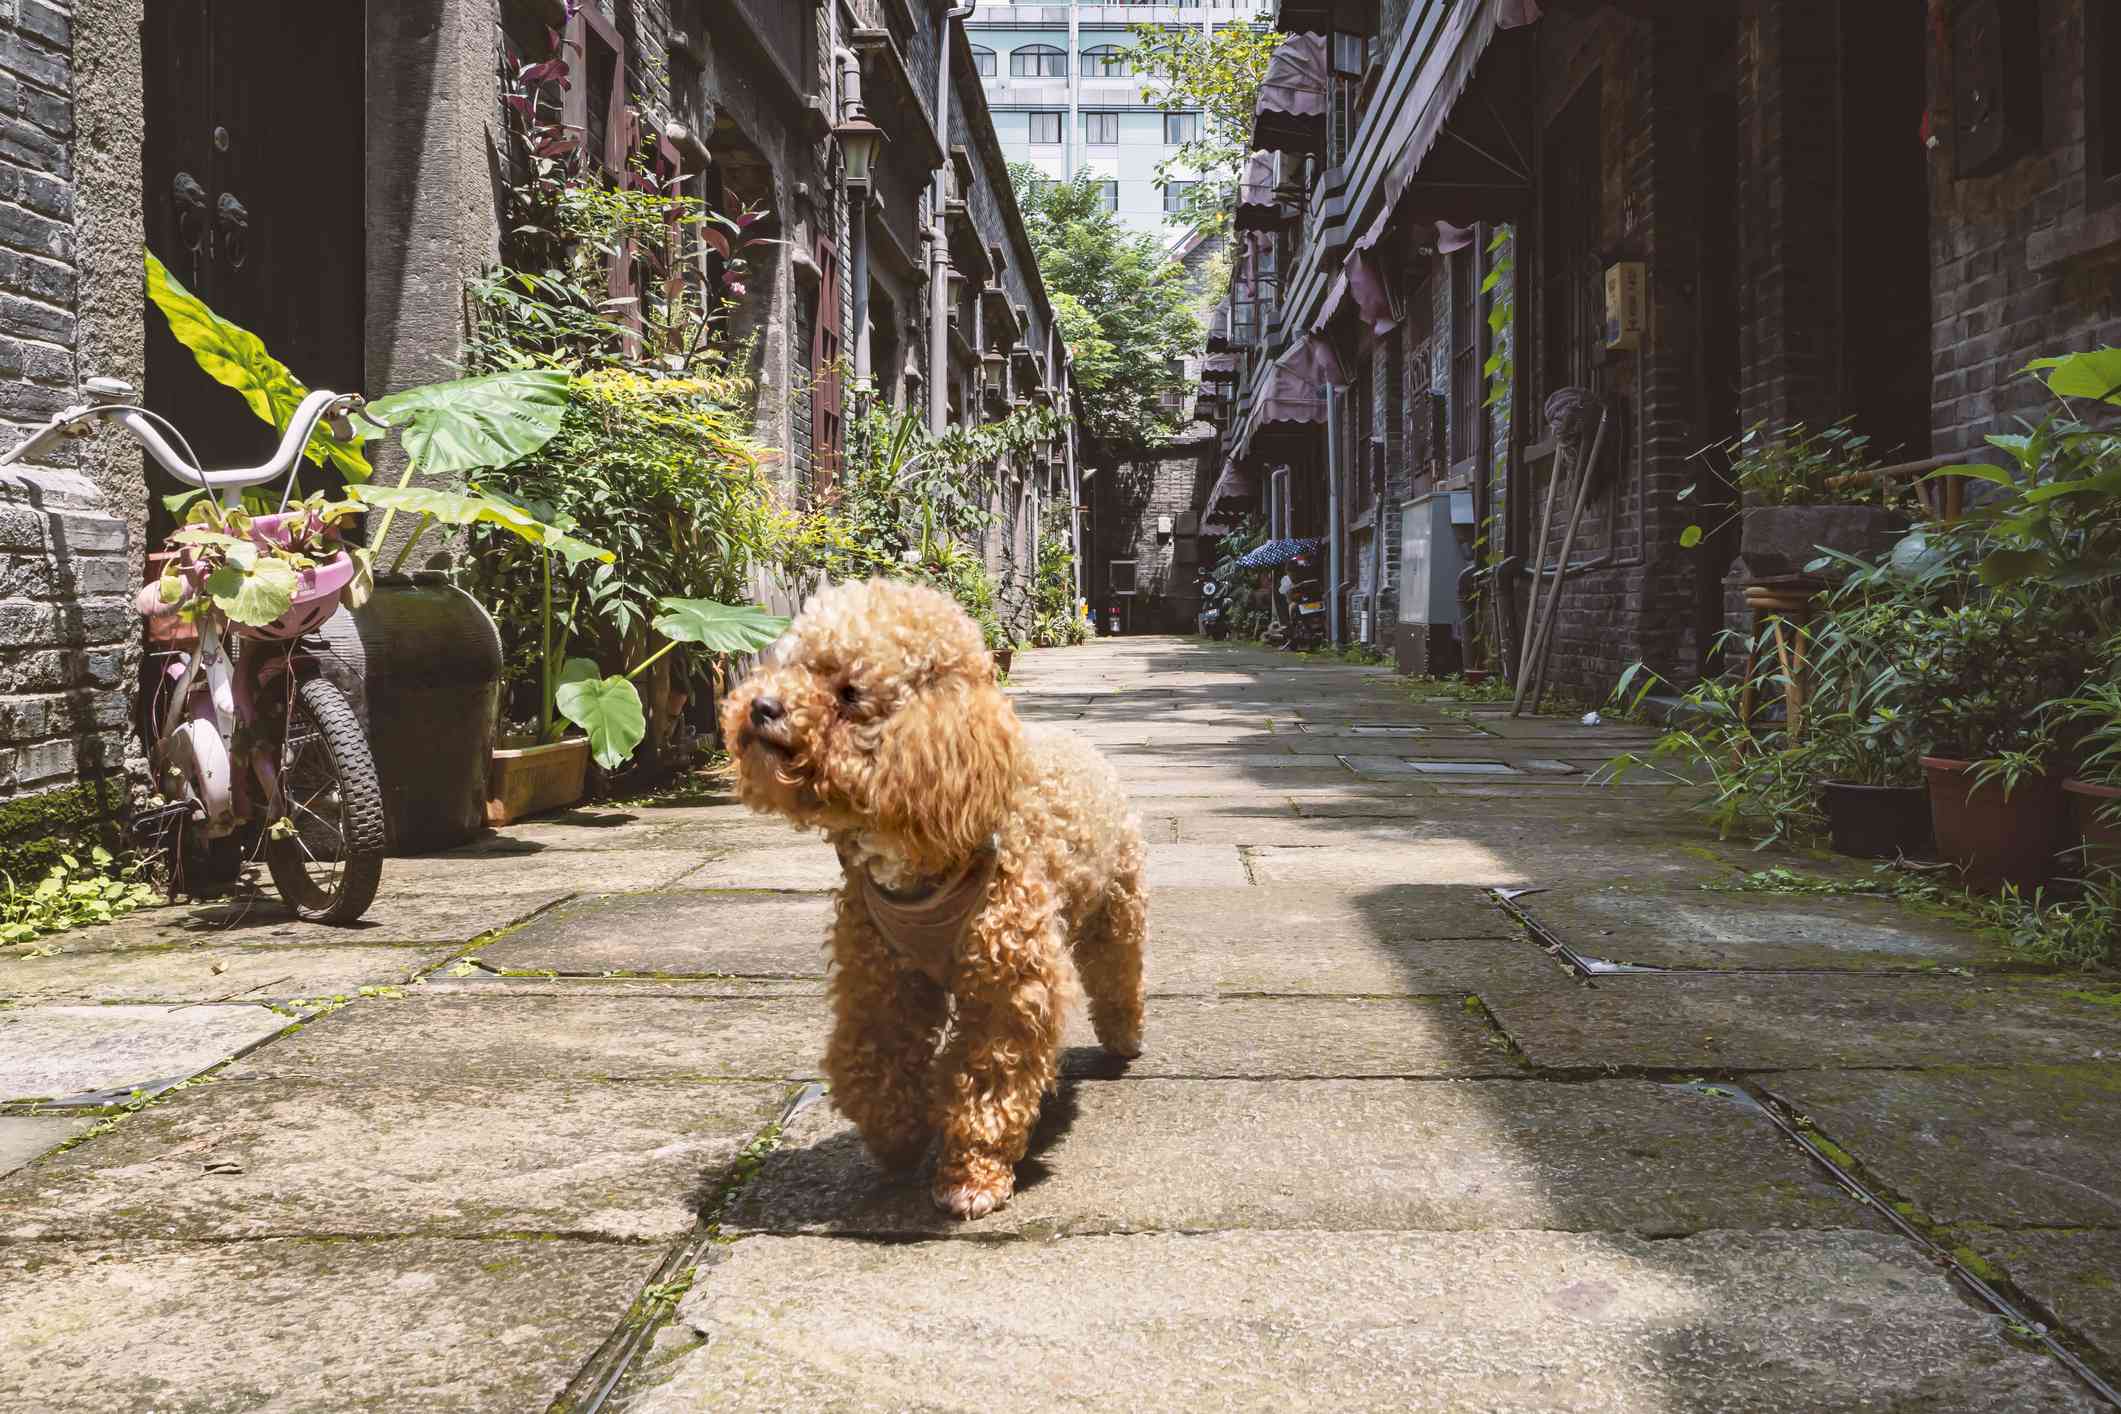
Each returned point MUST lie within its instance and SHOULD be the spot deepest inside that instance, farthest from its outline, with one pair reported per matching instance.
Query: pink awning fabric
(1309, 363)
(1296, 78)
(1256, 203)
(1232, 485)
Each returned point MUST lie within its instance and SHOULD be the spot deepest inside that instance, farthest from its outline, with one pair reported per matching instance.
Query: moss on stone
(1974, 1262)
(36, 829)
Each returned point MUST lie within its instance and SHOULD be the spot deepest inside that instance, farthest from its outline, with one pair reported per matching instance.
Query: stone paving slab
(1195, 866)
(1732, 1022)
(730, 933)
(204, 972)
(1336, 1155)
(1443, 859)
(620, 1162)
(1192, 965)
(59, 1052)
(496, 1039)
(799, 861)
(443, 911)
(1143, 784)
(2024, 1147)
(24, 1137)
(2075, 1275)
(1502, 1321)
(1285, 1038)
(1372, 911)
(315, 1326)
(478, 982)
(1665, 924)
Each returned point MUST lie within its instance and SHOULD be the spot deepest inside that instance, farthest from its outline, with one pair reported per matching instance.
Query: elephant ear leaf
(608, 709)
(719, 628)
(474, 424)
(255, 595)
(236, 358)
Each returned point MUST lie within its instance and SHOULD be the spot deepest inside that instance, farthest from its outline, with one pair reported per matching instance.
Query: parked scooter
(1214, 622)
(1306, 610)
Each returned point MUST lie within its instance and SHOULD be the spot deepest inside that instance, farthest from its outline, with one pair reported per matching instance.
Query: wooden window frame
(827, 348)
(1464, 363)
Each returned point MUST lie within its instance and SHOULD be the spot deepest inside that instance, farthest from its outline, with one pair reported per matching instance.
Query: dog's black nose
(766, 709)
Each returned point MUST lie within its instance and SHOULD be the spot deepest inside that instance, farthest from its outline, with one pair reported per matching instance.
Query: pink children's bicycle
(255, 751)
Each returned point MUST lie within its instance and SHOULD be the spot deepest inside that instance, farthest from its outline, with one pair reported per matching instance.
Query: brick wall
(1128, 496)
(2025, 262)
(66, 625)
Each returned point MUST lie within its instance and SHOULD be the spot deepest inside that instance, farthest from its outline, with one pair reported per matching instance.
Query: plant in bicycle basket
(252, 568)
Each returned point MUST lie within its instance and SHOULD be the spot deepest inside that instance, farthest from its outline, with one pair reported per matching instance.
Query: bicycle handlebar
(139, 422)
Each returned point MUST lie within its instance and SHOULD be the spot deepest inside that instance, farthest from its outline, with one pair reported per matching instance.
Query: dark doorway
(252, 197)
(1715, 499)
(1884, 216)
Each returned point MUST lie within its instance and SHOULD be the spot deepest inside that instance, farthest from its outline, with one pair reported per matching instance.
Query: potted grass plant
(1857, 739)
(1799, 493)
(1978, 680)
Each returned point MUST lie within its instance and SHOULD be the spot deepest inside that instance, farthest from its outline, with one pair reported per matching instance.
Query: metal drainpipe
(857, 224)
(939, 235)
(1336, 456)
(1075, 94)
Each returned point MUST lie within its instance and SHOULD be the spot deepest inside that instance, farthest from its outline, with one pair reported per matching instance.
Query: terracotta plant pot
(1994, 840)
(529, 780)
(1878, 822)
(1476, 676)
(2101, 838)
(1003, 657)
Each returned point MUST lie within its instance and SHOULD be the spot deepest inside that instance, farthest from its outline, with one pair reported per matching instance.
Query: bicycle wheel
(327, 866)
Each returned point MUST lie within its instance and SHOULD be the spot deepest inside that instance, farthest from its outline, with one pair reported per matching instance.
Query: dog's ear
(945, 766)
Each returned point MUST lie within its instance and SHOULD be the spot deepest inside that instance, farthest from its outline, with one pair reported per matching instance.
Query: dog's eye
(850, 695)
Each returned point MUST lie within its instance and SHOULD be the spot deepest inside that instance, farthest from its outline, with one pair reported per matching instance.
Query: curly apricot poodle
(988, 868)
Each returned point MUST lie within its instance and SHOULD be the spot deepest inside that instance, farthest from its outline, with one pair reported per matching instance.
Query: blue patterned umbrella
(1277, 552)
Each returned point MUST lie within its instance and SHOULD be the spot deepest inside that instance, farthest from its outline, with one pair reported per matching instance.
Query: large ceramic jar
(421, 662)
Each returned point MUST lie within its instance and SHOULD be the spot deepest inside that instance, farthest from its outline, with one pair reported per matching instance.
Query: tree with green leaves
(1219, 73)
(1123, 307)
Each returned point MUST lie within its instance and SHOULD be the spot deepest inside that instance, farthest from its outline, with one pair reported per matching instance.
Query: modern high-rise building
(1065, 98)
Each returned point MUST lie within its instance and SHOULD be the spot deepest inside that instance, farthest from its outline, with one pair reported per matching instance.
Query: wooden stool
(1782, 611)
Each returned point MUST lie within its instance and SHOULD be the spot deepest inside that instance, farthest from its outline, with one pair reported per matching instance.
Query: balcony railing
(1121, 14)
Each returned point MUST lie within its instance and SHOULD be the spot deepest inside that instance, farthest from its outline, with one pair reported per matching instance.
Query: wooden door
(252, 196)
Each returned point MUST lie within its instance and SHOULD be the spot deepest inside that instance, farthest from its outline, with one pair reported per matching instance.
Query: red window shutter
(826, 393)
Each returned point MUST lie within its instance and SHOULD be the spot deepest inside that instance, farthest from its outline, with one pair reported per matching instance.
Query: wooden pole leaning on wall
(1543, 648)
(1563, 411)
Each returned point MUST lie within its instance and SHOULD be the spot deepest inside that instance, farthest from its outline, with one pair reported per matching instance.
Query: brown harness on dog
(925, 928)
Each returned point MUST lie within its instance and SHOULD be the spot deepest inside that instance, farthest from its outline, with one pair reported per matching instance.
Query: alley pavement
(1469, 1086)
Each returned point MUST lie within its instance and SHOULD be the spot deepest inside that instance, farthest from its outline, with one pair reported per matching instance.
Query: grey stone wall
(70, 296)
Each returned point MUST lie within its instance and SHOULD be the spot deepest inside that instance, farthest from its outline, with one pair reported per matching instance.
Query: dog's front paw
(973, 1188)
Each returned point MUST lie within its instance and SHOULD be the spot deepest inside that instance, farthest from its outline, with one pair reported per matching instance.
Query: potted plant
(1978, 679)
(1857, 738)
(2093, 789)
(545, 770)
(1800, 491)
